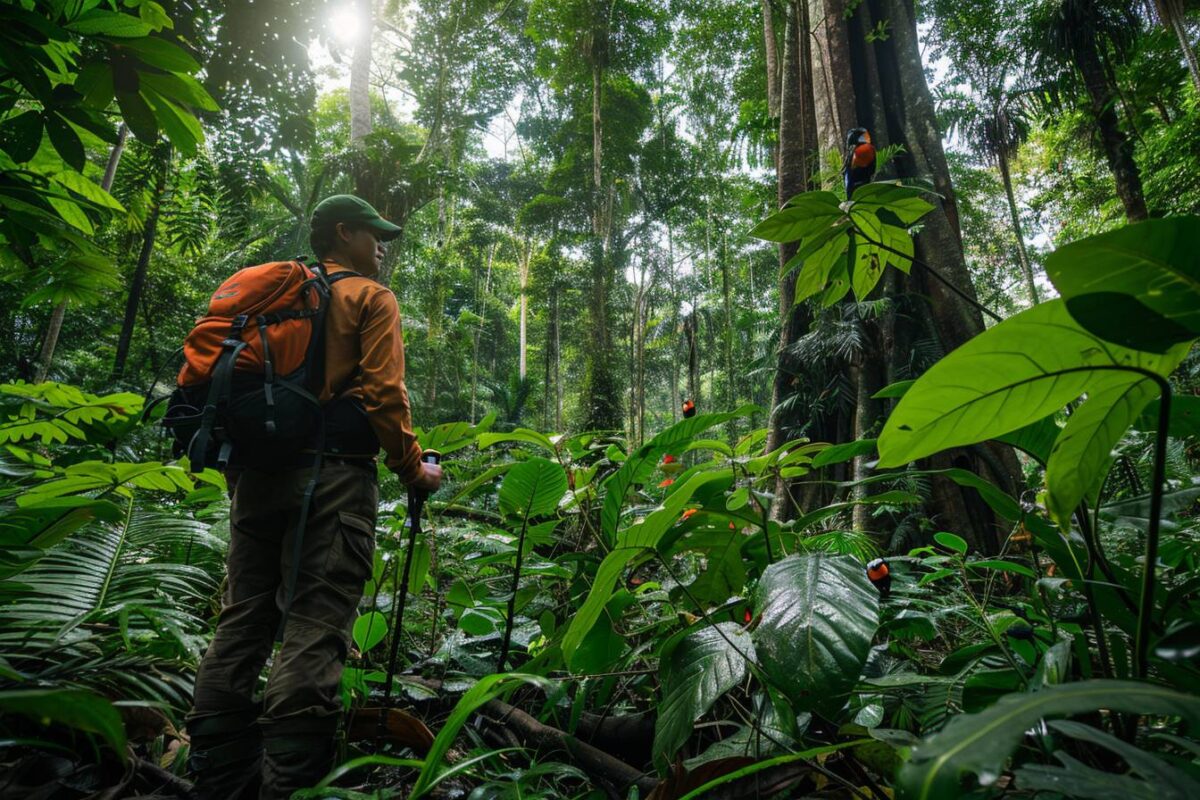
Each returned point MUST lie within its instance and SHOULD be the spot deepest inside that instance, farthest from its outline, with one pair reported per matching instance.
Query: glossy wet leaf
(818, 615)
(701, 668)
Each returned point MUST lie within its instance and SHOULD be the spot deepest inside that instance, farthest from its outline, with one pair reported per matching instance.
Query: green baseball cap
(353, 211)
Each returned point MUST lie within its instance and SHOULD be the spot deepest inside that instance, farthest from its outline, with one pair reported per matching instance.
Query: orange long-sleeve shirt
(364, 358)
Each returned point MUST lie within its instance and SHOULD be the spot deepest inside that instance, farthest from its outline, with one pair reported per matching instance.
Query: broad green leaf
(1125, 320)
(87, 189)
(74, 708)
(181, 127)
(640, 465)
(65, 141)
(369, 630)
(844, 452)
(906, 202)
(897, 389)
(951, 541)
(532, 488)
(1003, 566)
(180, 89)
(109, 23)
(1009, 376)
(632, 542)
(805, 215)
(1153, 261)
(486, 477)
(1036, 439)
(21, 135)
(160, 53)
(702, 667)
(817, 264)
(519, 435)
(1082, 453)
(1184, 420)
(818, 615)
(980, 744)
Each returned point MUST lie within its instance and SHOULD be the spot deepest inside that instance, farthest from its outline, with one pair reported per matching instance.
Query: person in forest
(285, 741)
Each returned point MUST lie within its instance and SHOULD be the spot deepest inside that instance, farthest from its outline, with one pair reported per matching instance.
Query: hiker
(287, 738)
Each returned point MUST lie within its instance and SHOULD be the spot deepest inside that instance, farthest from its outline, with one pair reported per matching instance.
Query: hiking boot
(226, 756)
(299, 752)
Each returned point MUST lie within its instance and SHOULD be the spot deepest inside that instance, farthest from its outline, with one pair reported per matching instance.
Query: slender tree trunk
(143, 264)
(1117, 148)
(772, 49)
(1022, 253)
(602, 403)
(524, 256)
(1171, 12)
(54, 326)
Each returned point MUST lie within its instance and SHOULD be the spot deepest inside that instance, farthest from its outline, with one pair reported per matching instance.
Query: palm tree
(1172, 14)
(1076, 38)
(993, 123)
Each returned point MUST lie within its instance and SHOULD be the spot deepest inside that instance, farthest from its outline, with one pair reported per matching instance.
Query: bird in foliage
(689, 409)
(858, 169)
(880, 576)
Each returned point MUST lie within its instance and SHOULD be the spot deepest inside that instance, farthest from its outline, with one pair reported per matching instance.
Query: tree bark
(143, 264)
(772, 58)
(1171, 12)
(1022, 253)
(797, 139)
(54, 326)
(1118, 150)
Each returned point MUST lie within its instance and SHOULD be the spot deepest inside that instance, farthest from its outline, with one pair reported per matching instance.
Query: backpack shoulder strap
(337, 276)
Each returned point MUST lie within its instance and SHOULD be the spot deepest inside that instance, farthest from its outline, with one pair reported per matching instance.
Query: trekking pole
(416, 503)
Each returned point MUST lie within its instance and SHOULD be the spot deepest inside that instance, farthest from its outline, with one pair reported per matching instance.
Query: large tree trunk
(1022, 253)
(881, 85)
(143, 265)
(54, 326)
(1118, 150)
(797, 142)
(772, 49)
(1171, 12)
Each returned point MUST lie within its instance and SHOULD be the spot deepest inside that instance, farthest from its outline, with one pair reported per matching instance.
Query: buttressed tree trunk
(360, 74)
(881, 85)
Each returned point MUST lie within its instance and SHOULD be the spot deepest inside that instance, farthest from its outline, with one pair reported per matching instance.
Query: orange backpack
(253, 367)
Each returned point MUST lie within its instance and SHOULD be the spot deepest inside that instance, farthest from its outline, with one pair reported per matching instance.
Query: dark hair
(324, 240)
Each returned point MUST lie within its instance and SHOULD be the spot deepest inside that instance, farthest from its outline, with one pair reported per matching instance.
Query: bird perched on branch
(858, 169)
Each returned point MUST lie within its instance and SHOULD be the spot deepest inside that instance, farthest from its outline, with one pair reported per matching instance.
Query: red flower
(687, 514)
(666, 483)
(749, 615)
(668, 459)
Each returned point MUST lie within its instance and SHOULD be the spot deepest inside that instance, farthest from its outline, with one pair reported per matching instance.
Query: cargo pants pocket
(351, 556)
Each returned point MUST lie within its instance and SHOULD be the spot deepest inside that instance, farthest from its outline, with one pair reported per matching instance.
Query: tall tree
(864, 79)
(1084, 31)
(137, 283)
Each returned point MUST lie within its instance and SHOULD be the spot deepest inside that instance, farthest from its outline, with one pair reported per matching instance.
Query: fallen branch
(592, 760)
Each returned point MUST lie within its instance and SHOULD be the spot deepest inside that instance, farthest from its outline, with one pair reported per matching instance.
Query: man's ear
(343, 232)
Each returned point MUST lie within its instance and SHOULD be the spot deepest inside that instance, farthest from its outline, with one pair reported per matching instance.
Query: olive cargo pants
(288, 736)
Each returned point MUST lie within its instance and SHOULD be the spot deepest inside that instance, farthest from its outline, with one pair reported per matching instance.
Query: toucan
(879, 573)
(859, 166)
